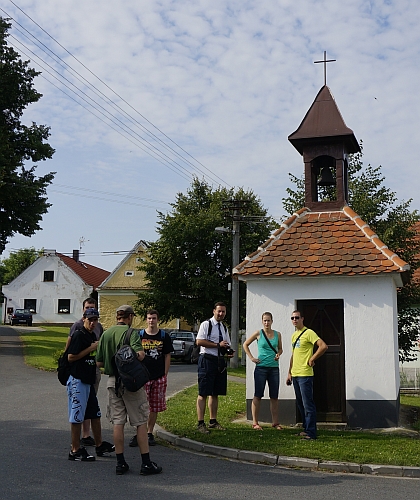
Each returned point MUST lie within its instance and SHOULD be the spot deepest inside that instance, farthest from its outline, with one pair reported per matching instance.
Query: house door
(326, 318)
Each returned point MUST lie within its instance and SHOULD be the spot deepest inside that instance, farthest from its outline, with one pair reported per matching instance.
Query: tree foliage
(395, 224)
(189, 267)
(23, 198)
(16, 263)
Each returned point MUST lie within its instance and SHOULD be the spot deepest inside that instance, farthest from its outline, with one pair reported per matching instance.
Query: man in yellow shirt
(301, 372)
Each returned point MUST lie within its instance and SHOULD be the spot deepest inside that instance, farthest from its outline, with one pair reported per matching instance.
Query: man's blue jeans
(304, 389)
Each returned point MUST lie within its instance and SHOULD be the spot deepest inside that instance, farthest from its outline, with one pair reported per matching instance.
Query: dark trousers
(304, 390)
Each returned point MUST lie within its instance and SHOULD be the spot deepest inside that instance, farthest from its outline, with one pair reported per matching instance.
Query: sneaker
(152, 468)
(151, 437)
(105, 447)
(203, 429)
(81, 455)
(122, 468)
(89, 441)
(216, 425)
(133, 442)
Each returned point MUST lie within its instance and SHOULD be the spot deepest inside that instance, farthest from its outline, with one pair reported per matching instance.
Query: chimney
(76, 255)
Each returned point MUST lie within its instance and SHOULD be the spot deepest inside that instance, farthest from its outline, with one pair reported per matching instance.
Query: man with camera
(213, 339)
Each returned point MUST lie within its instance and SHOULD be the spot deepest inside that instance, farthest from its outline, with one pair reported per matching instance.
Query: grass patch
(347, 446)
(238, 372)
(410, 400)
(41, 348)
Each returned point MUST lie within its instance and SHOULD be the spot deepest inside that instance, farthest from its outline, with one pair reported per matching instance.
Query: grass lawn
(347, 446)
(41, 348)
(41, 351)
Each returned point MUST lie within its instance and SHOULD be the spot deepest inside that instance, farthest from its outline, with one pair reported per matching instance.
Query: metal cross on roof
(325, 61)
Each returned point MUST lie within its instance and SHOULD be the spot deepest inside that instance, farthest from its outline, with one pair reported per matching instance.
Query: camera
(226, 351)
(288, 382)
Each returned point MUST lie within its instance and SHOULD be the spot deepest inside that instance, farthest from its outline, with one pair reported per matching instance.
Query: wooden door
(326, 318)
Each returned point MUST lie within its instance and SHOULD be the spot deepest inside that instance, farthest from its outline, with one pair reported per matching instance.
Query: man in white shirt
(213, 339)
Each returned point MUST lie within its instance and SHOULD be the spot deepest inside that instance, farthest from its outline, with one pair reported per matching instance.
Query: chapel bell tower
(324, 141)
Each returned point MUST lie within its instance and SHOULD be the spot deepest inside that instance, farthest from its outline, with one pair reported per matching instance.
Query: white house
(53, 288)
(327, 263)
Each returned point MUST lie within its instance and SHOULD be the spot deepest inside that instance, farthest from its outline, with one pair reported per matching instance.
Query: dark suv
(21, 316)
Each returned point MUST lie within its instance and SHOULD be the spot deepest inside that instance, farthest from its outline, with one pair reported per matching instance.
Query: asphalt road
(35, 438)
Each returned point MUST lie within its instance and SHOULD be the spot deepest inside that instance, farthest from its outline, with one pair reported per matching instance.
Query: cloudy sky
(210, 88)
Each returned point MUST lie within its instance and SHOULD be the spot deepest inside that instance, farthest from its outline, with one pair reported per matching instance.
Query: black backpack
(128, 369)
(63, 368)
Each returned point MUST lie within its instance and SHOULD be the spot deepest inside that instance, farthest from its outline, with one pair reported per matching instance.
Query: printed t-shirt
(155, 348)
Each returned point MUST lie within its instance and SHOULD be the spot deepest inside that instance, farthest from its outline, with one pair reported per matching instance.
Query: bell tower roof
(323, 121)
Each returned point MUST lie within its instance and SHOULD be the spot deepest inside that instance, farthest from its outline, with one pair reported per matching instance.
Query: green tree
(16, 263)
(393, 221)
(189, 267)
(23, 198)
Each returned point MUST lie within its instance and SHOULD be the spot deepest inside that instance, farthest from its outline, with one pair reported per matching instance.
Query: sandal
(301, 434)
(277, 426)
(257, 427)
(307, 438)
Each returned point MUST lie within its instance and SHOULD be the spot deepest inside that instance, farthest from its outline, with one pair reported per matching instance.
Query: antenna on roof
(82, 241)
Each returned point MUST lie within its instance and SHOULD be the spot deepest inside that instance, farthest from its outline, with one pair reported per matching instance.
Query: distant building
(53, 288)
(121, 287)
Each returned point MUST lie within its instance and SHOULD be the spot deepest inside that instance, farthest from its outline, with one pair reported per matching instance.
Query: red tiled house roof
(322, 243)
(91, 275)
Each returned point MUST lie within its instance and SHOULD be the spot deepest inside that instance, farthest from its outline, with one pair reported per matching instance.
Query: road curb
(296, 462)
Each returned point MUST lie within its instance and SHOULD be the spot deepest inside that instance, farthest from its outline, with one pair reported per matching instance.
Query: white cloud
(228, 81)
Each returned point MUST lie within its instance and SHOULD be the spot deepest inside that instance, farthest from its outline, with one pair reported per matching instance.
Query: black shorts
(92, 407)
(211, 382)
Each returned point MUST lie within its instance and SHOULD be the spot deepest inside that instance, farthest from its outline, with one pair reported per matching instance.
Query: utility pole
(235, 286)
(235, 207)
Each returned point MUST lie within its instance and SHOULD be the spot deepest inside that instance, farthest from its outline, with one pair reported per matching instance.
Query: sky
(215, 87)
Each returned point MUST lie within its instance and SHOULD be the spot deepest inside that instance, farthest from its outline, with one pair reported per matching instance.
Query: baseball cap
(91, 312)
(126, 309)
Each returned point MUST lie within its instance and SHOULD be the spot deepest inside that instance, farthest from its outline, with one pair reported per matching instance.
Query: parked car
(21, 316)
(182, 342)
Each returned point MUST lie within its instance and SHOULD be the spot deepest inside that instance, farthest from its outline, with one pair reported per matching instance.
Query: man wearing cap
(83, 403)
(88, 303)
(125, 403)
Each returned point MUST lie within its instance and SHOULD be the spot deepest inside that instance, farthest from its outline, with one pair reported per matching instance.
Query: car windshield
(23, 311)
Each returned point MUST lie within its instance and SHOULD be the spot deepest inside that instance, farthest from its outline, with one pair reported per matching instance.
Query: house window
(129, 273)
(63, 306)
(30, 304)
(48, 275)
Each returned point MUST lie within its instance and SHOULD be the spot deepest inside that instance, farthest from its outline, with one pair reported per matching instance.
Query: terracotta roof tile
(91, 275)
(316, 243)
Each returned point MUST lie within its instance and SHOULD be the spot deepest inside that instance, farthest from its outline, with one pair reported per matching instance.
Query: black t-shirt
(155, 348)
(84, 368)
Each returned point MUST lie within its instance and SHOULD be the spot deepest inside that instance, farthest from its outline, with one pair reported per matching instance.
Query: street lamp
(234, 325)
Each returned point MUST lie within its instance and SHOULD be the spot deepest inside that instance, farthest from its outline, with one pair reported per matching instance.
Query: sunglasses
(295, 317)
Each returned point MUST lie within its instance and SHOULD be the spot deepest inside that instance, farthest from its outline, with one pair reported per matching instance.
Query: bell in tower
(324, 141)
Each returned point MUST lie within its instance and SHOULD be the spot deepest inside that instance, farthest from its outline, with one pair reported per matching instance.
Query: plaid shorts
(156, 394)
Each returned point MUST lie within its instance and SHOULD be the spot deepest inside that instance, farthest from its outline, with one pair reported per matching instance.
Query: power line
(151, 153)
(109, 101)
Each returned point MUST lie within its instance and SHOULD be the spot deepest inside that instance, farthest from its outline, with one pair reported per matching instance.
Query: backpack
(128, 369)
(195, 354)
(63, 368)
